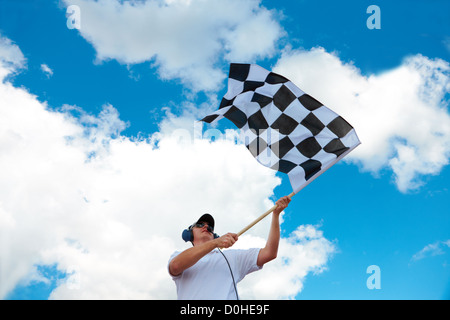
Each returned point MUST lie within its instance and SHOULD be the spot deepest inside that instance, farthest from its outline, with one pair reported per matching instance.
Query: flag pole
(265, 214)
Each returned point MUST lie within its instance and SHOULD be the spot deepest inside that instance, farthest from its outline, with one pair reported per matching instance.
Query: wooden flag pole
(265, 214)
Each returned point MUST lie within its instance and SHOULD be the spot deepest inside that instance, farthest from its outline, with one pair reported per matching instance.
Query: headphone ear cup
(187, 235)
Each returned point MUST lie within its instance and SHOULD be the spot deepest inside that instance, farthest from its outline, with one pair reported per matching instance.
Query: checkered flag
(283, 127)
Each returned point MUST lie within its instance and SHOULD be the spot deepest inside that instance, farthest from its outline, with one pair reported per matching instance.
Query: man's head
(200, 231)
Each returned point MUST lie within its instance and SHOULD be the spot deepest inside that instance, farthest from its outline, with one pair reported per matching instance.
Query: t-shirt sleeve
(246, 262)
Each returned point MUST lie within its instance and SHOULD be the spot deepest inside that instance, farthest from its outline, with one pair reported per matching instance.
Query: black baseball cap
(207, 218)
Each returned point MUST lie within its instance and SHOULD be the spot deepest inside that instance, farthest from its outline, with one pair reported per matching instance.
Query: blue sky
(391, 211)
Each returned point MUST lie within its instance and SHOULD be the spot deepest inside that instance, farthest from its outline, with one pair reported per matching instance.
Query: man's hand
(282, 204)
(227, 240)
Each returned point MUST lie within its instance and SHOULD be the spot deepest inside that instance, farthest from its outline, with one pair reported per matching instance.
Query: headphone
(188, 234)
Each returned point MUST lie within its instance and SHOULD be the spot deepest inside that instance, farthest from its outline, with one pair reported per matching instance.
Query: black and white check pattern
(284, 128)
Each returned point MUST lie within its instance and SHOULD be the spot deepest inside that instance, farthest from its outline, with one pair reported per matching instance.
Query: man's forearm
(270, 251)
(274, 235)
(191, 256)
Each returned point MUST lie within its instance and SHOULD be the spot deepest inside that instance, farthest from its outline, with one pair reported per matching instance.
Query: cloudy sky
(103, 162)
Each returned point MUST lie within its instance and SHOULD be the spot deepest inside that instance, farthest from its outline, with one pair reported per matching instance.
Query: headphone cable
(234, 282)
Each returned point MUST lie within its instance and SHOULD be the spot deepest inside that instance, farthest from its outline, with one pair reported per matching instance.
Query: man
(205, 272)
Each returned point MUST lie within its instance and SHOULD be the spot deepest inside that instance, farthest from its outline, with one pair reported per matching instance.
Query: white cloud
(184, 39)
(109, 210)
(400, 115)
(11, 57)
(433, 249)
(46, 70)
(304, 252)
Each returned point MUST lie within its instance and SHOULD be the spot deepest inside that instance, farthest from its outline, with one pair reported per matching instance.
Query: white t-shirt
(210, 277)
